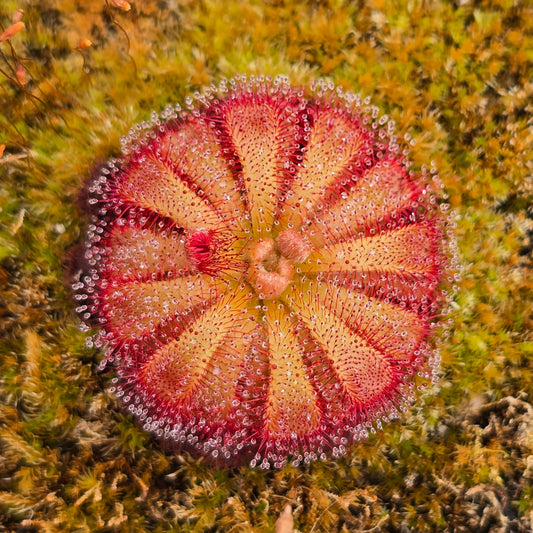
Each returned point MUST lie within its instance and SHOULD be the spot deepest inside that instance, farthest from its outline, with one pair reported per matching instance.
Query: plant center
(271, 262)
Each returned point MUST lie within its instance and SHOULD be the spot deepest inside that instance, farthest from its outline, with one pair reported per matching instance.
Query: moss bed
(455, 75)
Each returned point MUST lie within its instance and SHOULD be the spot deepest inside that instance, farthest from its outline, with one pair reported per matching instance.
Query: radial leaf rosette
(265, 269)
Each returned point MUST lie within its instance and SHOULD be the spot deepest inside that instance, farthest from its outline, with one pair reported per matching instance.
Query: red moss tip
(265, 269)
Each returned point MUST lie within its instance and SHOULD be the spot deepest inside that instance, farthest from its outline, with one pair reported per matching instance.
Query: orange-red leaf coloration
(12, 31)
(265, 271)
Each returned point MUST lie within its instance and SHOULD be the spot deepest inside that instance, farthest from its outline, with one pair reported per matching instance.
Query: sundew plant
(265, 271)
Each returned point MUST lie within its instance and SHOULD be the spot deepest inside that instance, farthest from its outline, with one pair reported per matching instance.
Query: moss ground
(456, 75)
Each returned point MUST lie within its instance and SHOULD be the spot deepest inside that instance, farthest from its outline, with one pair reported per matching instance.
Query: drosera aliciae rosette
(265, 271)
